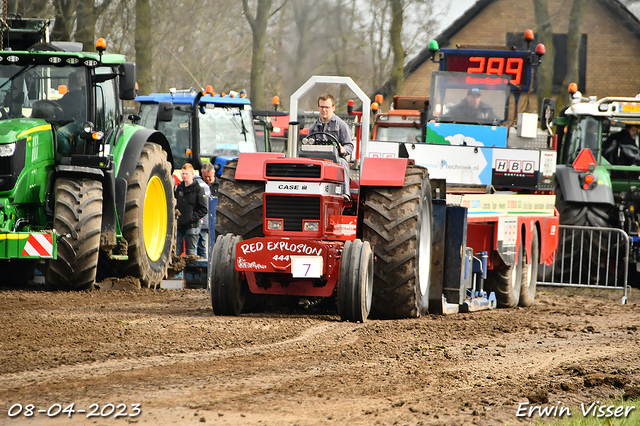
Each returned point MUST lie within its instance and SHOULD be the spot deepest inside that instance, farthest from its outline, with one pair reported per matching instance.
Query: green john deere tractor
(82, 194)
(598, 185)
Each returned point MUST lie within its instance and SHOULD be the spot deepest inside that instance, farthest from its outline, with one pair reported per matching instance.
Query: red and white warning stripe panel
(40, 245)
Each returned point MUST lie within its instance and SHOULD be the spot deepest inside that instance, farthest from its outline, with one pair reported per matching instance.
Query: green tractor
(83, 196)
(598, 185)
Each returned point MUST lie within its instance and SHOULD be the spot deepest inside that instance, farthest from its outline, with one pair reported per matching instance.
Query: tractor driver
(472, 109)
(620, 148)
(330, 123)
(73, 105)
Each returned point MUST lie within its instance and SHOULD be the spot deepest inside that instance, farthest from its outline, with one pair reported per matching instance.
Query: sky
(457, 8)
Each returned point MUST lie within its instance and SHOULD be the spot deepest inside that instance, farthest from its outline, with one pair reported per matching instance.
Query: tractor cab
(469, 99)
(218, 128)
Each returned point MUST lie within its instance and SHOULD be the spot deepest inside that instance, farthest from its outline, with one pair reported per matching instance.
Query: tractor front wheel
(228, 293)
(355, 289)
(78, 222)
(530, 273)
(149, 220)
(398, 223)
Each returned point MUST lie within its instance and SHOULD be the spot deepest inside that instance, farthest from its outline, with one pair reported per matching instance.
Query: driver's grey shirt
(336, 127)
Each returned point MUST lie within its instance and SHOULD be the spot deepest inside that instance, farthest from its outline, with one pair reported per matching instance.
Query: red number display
(498, 65)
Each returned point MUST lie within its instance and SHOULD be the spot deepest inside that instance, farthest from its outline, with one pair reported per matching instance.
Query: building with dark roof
(609, 53)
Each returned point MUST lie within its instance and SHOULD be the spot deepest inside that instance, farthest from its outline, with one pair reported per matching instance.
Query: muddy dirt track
(164, 350)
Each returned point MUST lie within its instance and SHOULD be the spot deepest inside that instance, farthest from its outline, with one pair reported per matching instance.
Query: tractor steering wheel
(47, 109)
(334, 140)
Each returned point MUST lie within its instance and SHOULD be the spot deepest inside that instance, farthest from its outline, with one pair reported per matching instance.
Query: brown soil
(165, 350)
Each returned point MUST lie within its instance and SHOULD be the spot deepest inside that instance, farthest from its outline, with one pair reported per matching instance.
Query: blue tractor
(205, 126)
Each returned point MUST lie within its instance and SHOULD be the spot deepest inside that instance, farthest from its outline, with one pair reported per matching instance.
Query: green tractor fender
(572, 181)
(126, 155)
(129, 147)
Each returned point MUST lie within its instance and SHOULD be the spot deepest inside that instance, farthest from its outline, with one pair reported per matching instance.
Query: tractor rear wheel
(530, 273)
(355, 289)
(574, 250)
(78, 222)
(398, 223)
(228, 293)
(583, 214)
(239, 209)
(507, 282)
(149, 221)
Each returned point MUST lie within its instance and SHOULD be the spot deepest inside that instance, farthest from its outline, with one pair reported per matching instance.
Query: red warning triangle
(585, 161)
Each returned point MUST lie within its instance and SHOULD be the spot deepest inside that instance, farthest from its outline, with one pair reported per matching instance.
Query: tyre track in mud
(86, 371)
(312, 369)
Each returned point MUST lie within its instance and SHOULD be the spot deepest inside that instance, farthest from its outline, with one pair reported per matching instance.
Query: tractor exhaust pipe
(292, 139)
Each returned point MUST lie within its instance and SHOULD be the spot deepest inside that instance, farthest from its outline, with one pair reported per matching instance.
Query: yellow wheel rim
(155, 218)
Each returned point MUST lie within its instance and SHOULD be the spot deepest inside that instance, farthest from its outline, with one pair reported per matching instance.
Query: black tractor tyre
(530, 273)
(506, 282)
(239, 209)
(398, 223)
(78, 222)
(149, 221)
(572, 247)
(355, 287)
(583, 214)
(228, 293)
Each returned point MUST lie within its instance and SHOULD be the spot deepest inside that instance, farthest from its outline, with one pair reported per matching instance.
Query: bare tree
(302, 19)
(87, 15)
(380, 50)
(212, 50)
(64, 11)
(30, 9)
(258, 23)
(545, 36)
(143, 44)
(574, 35)
(395, 37)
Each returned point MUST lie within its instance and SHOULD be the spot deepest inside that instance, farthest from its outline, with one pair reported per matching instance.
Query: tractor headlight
(7, 150)
(311, 225)
(274, 224)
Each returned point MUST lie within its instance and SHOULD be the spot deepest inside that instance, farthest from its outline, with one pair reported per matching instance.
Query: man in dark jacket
(191, 203)
(471, 109)
(210, 185)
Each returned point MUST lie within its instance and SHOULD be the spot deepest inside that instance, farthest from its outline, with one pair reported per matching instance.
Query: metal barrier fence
(589, 257)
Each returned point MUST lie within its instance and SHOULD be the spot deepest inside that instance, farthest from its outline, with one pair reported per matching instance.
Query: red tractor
(285, 229)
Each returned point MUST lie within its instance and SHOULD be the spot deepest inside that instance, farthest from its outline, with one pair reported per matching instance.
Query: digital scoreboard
(516, 65)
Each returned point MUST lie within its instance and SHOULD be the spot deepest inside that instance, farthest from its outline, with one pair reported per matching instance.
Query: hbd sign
(515, 166)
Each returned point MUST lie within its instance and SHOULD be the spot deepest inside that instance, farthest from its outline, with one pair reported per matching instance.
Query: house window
(560, 59)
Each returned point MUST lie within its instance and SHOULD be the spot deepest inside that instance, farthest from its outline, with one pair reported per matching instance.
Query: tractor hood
(18, 128)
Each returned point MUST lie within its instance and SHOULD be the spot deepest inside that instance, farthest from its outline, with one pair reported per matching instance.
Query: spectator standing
(191, 203)
(209, 176)
(208, 181)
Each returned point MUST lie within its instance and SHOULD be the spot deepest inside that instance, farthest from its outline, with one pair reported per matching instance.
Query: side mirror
(127, 83)
(165, 111)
